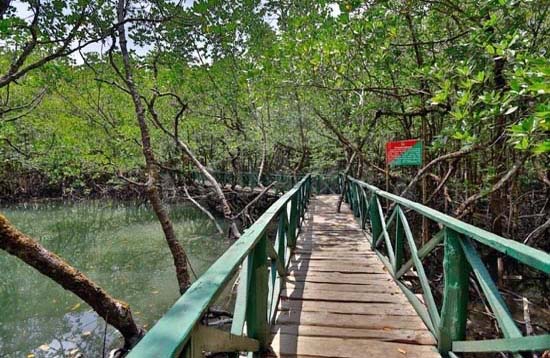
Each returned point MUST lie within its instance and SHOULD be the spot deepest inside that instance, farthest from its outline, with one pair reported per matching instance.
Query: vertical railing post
(375, 219)
(308, 189)
(346, 189)
(357, 194)
(292, 220)
(282, 235)
(353, 198)
(364, 207)
(256, 314)
(302, 204)
(318, 184)
(452, 326)
(399, 242)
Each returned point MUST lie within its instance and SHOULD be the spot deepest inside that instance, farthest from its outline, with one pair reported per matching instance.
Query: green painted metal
(387, 240)
(239, 316)
(399, 243)
(384, 233)
(454, 310)
(422, 253)
(490, 290)
(293, 222)
(459, 257)
(537, 259)
(172, 334)
(513, 345)
(426, 290)
(365, 208)
(375, 219)
(256, 313)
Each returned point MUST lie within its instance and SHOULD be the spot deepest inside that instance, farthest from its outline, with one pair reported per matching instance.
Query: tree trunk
(153, 185)
(264, 144)
(227, 211)
(113, 311)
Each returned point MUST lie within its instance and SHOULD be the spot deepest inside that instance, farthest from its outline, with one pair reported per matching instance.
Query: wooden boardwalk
(338, 300)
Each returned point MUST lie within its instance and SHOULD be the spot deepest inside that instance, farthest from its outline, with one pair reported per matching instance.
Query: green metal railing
(390, 233)
(179, 331)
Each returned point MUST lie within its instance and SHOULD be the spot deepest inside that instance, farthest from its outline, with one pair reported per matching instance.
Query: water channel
(118, 245)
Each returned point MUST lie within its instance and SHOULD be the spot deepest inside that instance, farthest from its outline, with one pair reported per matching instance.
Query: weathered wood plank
(343, 249)
(386, 335)
(359, 260)
(336, 268)
(338, 277)
(389, 309)
(292, 346)
(339, 300)
(338, 296)
(350, 321)
(326, 256)
(373, 286)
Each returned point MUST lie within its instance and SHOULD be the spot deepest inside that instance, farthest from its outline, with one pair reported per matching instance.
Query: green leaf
(542, 148)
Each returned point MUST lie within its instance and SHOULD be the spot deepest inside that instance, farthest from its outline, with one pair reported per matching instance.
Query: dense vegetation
(282, 87)
(299, 86)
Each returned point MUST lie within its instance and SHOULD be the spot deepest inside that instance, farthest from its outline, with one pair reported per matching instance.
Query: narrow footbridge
(314, 282)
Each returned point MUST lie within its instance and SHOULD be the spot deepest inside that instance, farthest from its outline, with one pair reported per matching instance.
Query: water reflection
(118, 245)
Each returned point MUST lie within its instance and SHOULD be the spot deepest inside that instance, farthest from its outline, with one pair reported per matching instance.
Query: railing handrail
(174, 329)
(460, 257)
(526, 254)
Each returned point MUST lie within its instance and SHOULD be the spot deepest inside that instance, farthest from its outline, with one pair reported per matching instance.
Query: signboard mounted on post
(404, 153)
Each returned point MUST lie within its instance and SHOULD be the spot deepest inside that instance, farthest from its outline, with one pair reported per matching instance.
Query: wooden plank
(361, 260)
(342, 269)
(357, 265)
(374, 286)
(336, 235)
(332, 241)
(388, 309)
(328, 319)
(292, 346)
(325, 256)
(337, 290)
(337, 296)
(331, 249)
(338, 277)
(386, 335)
(337, 243)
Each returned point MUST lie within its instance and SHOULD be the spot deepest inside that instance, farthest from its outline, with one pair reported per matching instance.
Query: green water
(118, 245)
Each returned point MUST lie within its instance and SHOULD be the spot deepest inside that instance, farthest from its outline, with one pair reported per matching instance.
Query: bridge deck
(339, 301)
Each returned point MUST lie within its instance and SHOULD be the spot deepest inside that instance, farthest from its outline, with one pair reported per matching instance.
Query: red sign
(404, 152)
